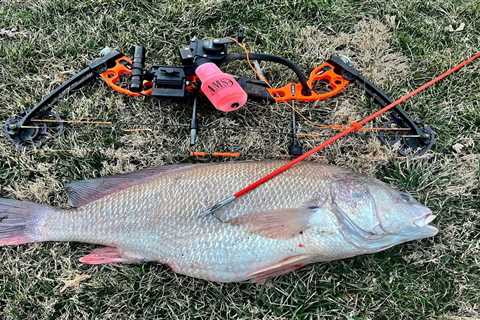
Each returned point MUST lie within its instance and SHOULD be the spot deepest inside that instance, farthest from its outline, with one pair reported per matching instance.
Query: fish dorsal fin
(276, 224)
(85, 191)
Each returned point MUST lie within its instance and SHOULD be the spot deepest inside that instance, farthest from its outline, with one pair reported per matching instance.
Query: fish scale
(311, 213)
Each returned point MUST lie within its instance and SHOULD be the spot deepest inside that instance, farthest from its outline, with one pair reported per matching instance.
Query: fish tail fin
(20, 221)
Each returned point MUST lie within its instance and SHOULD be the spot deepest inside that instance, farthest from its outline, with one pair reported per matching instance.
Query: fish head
(374, 216)
(399, 214)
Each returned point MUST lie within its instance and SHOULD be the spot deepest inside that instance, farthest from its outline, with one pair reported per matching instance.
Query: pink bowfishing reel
(220, 88)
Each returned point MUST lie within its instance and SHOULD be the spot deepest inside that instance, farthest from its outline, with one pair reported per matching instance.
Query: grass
(398, 44)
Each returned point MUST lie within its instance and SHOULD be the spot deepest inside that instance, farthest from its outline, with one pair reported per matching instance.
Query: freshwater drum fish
(309, 214)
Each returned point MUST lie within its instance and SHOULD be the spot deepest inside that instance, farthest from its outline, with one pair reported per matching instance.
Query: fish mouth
(424, 224)
(425, 219)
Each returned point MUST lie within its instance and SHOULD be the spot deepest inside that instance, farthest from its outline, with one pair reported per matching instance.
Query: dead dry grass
(397, 45)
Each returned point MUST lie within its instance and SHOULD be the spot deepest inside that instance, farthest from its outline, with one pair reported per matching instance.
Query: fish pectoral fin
(108, 255)
(83, 192)
(276, 224)
(284, 266)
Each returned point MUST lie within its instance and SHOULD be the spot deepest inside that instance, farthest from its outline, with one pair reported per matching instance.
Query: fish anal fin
(108, 255)
(284, 266)
(83, 192)
(14, 240)
(276, 224)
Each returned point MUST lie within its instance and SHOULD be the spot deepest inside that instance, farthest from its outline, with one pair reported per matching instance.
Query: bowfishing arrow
(204, 58)
(353, 127)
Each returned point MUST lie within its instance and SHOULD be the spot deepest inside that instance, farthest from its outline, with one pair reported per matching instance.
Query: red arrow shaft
(355, 126)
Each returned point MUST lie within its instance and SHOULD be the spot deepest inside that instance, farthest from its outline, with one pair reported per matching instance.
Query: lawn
(397, 44)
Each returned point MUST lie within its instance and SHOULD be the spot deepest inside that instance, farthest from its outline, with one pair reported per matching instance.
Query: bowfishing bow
(130, 77)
